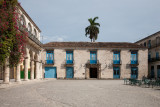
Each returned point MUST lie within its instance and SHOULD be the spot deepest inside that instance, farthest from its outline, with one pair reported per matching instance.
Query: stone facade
(81, 56)
(152, 42)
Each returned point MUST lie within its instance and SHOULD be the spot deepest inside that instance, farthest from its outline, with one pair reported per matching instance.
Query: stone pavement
(78, 93)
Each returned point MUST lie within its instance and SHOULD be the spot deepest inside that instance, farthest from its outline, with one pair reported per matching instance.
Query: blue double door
(116, 72)
(134, 72)
(50, 72)
(69, 72)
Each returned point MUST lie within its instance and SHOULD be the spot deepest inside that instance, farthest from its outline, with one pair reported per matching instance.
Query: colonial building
(152, 42)
(101, 60)
(31, 68)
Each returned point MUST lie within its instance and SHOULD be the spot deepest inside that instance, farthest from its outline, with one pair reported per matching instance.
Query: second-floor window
(157, 41)
(116, 57)
(145, 44)
(35, 32)
(69, 57)
(22, 20)
(134, 58)
(93, 57)
(149, 56)
(157, 55)
(149, 44)
(49, 57)
(29, 27)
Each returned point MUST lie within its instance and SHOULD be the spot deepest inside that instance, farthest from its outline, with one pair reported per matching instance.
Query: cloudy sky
(121, 20)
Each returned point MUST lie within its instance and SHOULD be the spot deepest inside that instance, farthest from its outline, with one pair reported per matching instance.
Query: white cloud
(60, 39)
(53, 38)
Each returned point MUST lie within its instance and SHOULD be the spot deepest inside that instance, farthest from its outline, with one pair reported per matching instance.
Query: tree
(93, 29)
(12, 38)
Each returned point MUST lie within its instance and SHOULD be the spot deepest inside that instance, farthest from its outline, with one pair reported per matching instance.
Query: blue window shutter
(116, 57)
(93, 57)
(157, 55)
(69, 57)
(134, 58)
(49, 57)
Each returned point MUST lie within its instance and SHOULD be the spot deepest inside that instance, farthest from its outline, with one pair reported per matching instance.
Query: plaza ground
(78, 93)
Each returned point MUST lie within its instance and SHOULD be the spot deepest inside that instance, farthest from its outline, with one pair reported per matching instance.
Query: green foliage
(12, 40)
(93, 29)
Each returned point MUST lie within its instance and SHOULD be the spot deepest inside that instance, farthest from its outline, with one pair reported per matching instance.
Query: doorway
(93, 73)
(152, 71)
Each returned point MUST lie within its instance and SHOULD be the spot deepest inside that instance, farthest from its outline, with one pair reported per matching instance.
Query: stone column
(26, 69)
(37, 66)
(32, 69)
(18, 79)
(6, 72)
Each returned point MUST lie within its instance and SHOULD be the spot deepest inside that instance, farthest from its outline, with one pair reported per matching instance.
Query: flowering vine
(12, 36)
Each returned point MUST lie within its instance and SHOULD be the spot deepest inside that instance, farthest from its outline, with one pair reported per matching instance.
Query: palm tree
(92, 30)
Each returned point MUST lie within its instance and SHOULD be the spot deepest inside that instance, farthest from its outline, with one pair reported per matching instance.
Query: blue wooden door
(69, 72)
(93, 57)
(116, 58)
(134, 58)
(116, 72)
(49, 57)
(134, 72)
(50, 72)
(69, 57)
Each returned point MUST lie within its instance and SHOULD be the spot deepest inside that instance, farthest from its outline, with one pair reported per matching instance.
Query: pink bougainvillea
(12, 38)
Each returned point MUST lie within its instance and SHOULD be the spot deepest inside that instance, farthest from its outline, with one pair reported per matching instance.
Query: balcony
(116, 62)
(93, 63)
(153, 59)
(49, 62)
(69, 63)
(30, 35)
(134, 63)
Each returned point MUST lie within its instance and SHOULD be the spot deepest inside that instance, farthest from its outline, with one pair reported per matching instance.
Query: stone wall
(105, 57)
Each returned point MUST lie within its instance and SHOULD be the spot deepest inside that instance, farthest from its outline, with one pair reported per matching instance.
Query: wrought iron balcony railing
(49, 62)
(93, 62)
(153, 59)
(134, 63)
(69, 62)
(30, 35)
(116, 62)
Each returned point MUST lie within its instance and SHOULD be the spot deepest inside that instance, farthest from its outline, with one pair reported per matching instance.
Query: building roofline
(21, 8)
(94, 45)
(148, 36)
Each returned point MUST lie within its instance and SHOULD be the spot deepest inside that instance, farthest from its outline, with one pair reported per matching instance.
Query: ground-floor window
(158, 71)
(116, 72)
(134, 72)
(69, 72)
